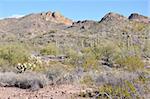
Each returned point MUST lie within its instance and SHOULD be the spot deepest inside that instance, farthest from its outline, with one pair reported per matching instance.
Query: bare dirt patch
(48, 92)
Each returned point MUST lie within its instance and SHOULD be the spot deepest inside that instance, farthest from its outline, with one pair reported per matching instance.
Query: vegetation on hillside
(111, 56)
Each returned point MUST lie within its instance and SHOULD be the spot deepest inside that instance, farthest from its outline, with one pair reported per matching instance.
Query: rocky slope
(139, 18)
(32, 24)
(96, 53)
(46, 27)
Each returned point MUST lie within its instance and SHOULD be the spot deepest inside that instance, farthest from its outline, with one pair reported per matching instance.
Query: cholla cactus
(20, 68)
(30, 65)
(35, 60)
(25, 66)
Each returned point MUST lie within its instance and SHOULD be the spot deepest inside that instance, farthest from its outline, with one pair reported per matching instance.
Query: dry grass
(31, 81)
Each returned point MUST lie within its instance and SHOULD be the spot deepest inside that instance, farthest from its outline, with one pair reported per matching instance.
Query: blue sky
(74, 9)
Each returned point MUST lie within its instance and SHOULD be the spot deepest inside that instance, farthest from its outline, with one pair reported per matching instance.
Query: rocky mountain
(47, 27)
(111, 57)
(33, 24)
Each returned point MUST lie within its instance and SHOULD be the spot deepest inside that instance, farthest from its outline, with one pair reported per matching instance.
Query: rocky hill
(109, 58)
(46, 27)
(32, 24)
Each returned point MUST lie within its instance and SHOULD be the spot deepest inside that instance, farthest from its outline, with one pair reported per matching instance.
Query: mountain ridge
(49, 26)
(49, 15)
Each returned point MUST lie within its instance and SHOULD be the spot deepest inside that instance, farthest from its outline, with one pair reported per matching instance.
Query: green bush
(125, 90)
(50, 49)
(131, 63)
(88, 80)
(90, 62)
(146, 49)
(107, 52)
(52, 31)
(13, 54)
(138, 26)
(2, 62)
(73, 57)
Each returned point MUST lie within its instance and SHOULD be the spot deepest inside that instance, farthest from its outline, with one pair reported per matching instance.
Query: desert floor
(48, 92)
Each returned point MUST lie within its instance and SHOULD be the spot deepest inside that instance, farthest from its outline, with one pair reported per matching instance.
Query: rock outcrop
(33, 24)
(56, 17)
(113, 17)
(139, 18)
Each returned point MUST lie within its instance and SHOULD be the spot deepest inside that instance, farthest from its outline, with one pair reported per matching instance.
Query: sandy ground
(48, 92)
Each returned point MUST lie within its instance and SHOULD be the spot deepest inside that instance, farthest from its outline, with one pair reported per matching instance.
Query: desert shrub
(109, 52)
(59, 73)
(113, 55)
(88, 80)
(13, 54)
(95, 51)
(108, 55)
(54, 75)
(56, 72)
(2, 62)
(124, 90)
(84, 58)
(39, 68)
(138, 26)
(146, 49)
(104, 53)
(71, 53)
(123, 84)
(86, 49)
(91, 55)
(89, 62)
(115, 77)
(132, 50)
(116, 85)
(50, 49)
(74, 57)
(131, 63)
(52, 31)
(31, 81)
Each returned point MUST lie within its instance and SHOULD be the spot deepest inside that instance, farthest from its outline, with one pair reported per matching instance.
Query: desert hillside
(47, 55)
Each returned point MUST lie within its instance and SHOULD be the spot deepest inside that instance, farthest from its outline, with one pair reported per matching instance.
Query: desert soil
(48, 92)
